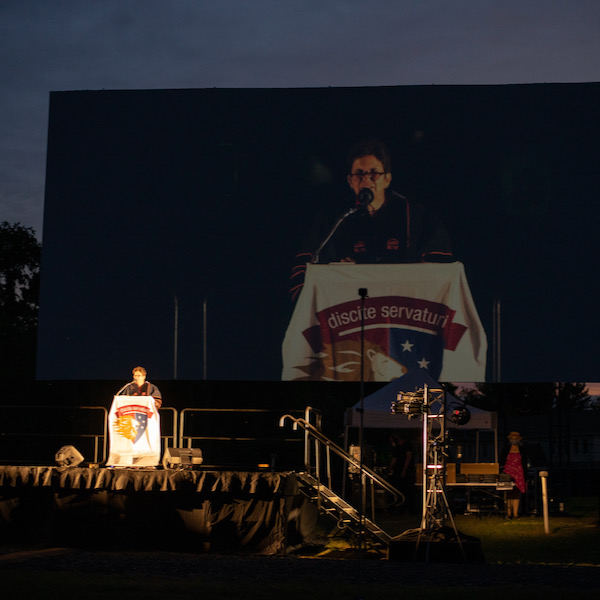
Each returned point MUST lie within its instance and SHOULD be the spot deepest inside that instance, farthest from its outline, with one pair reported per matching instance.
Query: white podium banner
(415, 316)
(134, 432)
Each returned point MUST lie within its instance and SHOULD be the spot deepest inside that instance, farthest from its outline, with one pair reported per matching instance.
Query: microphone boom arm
(350, 211)
(119, 392)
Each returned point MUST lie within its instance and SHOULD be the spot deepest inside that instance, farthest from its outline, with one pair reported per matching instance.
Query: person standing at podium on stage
(385, 228)
(140, 387)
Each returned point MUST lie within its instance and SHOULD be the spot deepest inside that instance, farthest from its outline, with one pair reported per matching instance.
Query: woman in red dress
(514, 463)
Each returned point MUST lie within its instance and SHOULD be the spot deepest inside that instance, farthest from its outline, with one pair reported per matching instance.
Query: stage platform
(198, 510)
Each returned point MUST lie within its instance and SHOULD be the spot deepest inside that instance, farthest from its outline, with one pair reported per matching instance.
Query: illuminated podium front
(134, 432)
(415, 316)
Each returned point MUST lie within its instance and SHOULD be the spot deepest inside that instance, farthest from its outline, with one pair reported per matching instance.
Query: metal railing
(99, 437)
(173, 435)
(186, 440)
(238, 437)
(316, 444)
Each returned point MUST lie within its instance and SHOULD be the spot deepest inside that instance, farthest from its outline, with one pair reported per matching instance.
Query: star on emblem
(424, 364)
(407, 346)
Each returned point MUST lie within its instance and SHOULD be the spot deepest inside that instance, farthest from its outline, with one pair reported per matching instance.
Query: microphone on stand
(127, 384)
(364, 197)
(350, 211)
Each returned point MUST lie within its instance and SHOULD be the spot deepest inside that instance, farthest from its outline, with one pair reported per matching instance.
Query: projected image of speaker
(182, 458)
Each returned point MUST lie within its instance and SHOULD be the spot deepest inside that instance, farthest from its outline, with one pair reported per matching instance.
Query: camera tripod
(436, 509)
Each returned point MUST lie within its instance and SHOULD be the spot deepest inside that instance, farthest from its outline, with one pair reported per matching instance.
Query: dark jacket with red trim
(401, 231)
(146, 389)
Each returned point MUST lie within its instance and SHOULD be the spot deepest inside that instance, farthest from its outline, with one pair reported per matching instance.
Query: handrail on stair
(321, 441)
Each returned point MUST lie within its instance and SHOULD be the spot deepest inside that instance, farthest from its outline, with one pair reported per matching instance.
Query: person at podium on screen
(381, 227)
(140, 387)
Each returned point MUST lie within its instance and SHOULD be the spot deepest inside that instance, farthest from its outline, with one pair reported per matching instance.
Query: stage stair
(348, 518)
(318, 453)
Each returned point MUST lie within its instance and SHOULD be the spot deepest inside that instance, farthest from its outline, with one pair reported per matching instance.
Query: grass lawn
(574, 537)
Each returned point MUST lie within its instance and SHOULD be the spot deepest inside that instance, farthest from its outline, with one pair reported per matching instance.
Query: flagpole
(362, 292)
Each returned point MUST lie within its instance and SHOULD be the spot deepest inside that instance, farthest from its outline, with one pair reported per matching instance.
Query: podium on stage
(134, 432)
(415, 316)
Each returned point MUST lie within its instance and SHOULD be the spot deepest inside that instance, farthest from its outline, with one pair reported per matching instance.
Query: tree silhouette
(19, 289)
(529, 398)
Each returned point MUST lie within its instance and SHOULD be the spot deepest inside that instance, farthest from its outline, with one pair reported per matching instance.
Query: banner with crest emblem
(415, 316)
(134, 432)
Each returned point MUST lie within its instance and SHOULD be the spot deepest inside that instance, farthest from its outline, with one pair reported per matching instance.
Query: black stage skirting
(135, 508)
(145, 480)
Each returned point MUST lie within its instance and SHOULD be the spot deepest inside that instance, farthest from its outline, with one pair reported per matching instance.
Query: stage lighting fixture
(461, 415)
(68, 456)
(181, 458)
(409, 403)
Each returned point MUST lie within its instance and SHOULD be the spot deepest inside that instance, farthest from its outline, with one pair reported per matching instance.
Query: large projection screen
(172, 218)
